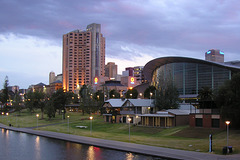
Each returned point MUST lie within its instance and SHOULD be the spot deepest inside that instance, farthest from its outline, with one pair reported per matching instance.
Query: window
(199, 122)
(215, 123)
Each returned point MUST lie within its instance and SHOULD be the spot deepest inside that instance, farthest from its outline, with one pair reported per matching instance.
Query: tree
(87, 103)
(132, 93)
(99, 98)
(228, 99)
(35, 100)
(49, 109)
(167, 96)
(17, 102)
(5, 94)
(150, 89)
(206, 98)
(60, 99)
(29, 101)
(114, 94)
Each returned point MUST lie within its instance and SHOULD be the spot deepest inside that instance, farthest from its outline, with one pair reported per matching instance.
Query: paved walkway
(129, 147)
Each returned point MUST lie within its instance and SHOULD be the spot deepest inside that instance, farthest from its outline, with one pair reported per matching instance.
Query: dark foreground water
(22, 146)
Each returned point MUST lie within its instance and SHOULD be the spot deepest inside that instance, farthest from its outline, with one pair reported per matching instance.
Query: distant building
(138, 73)
(111, 70)
(54, 86)
(128, 71)
(40, 87)
(113, 85)
(214, 55)
(129, 81)
(83, 57)
(13, 89)
(52, 77)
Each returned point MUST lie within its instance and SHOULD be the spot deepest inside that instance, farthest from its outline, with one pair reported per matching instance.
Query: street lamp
(37, 115)
(136, 120)
(68, 123)
(227, 123)
(129, 120)
(7, 117)
(150, 99)
(131, 95)
(91, 125)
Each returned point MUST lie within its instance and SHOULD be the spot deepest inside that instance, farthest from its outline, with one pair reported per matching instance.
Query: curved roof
(156, 63)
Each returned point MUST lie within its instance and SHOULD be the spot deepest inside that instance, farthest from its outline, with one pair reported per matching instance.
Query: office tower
(83, 57)
(138, 73)
(128, 71)
(214, 55)
(51, 77)
(111, 70)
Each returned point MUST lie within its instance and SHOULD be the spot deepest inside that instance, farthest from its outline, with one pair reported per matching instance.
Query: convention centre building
(188, 74)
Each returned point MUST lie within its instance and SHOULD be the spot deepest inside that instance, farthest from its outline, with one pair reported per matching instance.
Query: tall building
(214, 55)
(111, 70)
(138, 73)
(52, 77)
(83, 57)
(128, 71)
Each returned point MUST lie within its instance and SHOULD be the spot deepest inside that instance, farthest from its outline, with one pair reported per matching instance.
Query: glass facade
(189, 78)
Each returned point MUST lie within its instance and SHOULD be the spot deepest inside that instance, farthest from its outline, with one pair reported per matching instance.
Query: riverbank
(124, 146)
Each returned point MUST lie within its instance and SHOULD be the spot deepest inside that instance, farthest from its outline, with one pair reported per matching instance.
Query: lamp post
(2, 114)
(131, 95)
(91, 125)
(68, 123)
(227, 123)
(7, 117)
(129, 120)
(151, 98)
(136, 120)
(37, 115)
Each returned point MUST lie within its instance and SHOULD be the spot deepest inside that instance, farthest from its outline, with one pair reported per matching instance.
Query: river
(22, 146)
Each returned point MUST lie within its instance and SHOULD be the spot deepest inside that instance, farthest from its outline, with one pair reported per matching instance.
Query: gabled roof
(140, 102)
(133, 102)
(58, 81)
(115, 102)
(40, 84)
(179, 111)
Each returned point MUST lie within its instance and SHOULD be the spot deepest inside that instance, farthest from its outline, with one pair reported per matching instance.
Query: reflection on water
(21, 146)
(129, 156)
(37, 148)
(91, 153)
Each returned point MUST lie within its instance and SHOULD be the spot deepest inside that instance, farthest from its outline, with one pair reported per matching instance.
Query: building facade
(111, 70)
(52, 77)
(214, 55)
(83, 57)
(188, 74)
(138, 73)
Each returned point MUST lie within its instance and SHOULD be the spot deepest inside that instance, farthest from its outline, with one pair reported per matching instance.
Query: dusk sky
(136, 32)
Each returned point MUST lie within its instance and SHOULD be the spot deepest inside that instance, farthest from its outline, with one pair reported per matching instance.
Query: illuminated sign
(95, 80)
(208, 52)
(132, 80)
(221, 52)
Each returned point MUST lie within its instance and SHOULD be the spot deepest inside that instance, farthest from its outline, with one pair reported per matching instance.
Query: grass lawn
(184, 137)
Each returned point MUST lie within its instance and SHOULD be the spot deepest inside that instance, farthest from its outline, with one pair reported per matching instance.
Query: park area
(184, 137)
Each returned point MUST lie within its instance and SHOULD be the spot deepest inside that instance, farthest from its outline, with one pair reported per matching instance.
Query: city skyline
(136, 32)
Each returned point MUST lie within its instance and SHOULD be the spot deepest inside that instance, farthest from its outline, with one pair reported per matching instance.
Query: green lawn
(184, 137)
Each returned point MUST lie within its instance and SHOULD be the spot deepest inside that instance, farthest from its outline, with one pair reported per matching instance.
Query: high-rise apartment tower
(214, 55)
(83, 57)
(111, 70)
